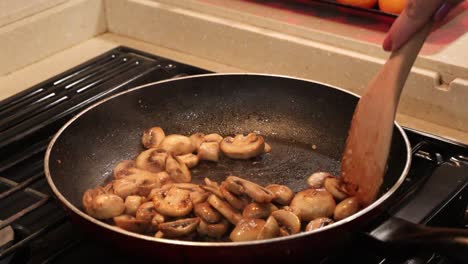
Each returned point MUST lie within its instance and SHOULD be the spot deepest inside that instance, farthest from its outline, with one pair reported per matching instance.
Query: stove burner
(36, 230)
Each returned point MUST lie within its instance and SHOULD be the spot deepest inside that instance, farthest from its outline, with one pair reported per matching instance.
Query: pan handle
(399, 234)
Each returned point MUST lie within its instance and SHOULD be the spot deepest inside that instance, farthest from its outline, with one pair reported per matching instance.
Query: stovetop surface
(434, 192)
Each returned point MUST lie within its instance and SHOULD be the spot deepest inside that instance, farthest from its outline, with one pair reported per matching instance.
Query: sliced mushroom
(197, 193)
(138, 182)
(225, 209)
(243, 147)
(162, 178)
(288, 222)
(122, 168)
(212, 187)
(174, 202)
(153, 160)
(152, 137)
(197, 139)
(216, 230)
(132, 202)
(311, 203)
(213, 137)
(209, 151)
(177, 170)
(334, 186)
(247, 229)
(146, 211)
(283, 195)
(257, 210)
(270, 229)
(179, 228)
(190, 160)
(318, 223)
(130, 223)
(177, 145)
(345, 208)
(238, 202)
(102, 205)
(267, 148)
(207, 213)
(317, 179)
(240, 186)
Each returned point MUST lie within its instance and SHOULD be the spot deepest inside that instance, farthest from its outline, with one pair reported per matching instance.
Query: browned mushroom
(132, 202)
(288, 222)
(173, 202)
(190, 160)
(162, 178)
(177, 170)
(209, 151)
(247, 229)
(197, 139)
(178, 228)
(311, 203)
(122, 168)
(270, 229)
(197, 193)
(177, 145)
(345, 208)
(153, 160)
(102, 205)
(316, 180)
(334, 186)
(146, 211)
(243, 147)
(152, 137)
(258, 210)
(238, 202)
(215, 230)
(283, 195)
(267, 148)
(240, 186)
(212, 187)
(318, 223)
(207, 213)
(213, 137)
(225, 209)
(138, 182)
(130, 223)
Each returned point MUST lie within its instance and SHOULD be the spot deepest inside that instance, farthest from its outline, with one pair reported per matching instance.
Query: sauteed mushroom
(283, 195)
(138, 181)
(152, 160)
(334, 186)
(225, 209)
(212, 187)
(247, 229)
(345, 208)
(146, 211)
(310, 204)
(132, 202)
(207, 213)
(130, 223)
(213, 138)
(177, 144)
(190, 160)
(216, 230)
(238, 202)
(152, 137)
(179, 228)
(288, 222)
(209, 151)
(173, 202)
(270, 229)
(316, 180)
(122, 168)
(178, 170)
(102, 205)
(267, 148)
(243, 147)
(197, 139)
(240, 186)
(318, 223)
(258, 210)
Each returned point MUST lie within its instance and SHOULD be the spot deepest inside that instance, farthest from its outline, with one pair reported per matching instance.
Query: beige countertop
(237, 36)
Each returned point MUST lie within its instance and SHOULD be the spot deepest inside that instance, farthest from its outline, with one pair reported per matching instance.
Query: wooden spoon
(369, 138)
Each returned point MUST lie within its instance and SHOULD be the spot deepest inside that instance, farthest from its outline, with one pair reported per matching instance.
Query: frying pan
(292, 114)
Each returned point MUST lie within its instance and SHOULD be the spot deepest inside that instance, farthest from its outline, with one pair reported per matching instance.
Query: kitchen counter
(211, 36)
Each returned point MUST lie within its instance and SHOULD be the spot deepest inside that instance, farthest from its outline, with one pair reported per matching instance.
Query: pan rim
(87, 217)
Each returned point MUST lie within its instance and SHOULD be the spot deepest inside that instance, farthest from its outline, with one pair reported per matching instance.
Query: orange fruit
(359, 3)
(392, 6)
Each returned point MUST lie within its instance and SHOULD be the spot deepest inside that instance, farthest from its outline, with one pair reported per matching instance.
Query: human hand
(415, 15)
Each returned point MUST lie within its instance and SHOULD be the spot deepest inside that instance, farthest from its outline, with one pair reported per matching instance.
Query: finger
(415, 15)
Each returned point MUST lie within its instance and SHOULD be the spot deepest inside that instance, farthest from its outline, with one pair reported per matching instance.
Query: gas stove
(35, 229)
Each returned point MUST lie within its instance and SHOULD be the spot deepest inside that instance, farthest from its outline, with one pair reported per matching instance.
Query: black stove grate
(43, 233)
